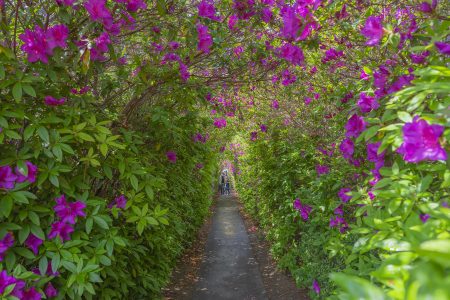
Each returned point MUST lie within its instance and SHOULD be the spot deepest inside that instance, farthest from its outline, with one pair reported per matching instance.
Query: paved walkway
(229, 270)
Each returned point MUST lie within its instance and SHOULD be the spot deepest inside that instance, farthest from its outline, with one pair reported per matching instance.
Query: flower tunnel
(117, 116)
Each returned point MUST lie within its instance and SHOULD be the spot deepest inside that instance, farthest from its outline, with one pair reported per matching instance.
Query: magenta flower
(424, 217)
(339, 210)
(232, 21)
(206, 9)
(343, 195)
(421, 141)
(291, 23)
(367, 103)
(339, 222)
(205, 40)
(220, 122)
(322, 170)
(56, 36)
(291, 53)
(6, 280)
(120, 202)
(52, 101)
(184, 72)
(347, 148)
(316, 287)
(67, 211)
(263, 128)
(304, 209)
(355, 125)
(373, 30)
(307, 100)
(61, 229)
(372, 152)
(65, 2)
(97, 10)
(6, 243)
(419, 58)
(275, 104)
(371, 195)
(171, 156)
(31, 176)
(443, 48)
(266, 14)
(31, 294)
(50, 291)
(253, 136)
(364, 76)
(426, 7)
(35, 44)
(135, 5)
(244, 8)
(7, 178)
(287, 78)
(33, 242)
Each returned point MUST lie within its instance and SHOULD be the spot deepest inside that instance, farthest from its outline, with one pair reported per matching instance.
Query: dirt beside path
(230, 260)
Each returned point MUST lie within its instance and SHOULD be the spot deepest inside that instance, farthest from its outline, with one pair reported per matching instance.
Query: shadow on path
(229, 269)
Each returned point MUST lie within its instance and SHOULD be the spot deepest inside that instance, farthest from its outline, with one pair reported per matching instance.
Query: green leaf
(56, 260)
(54, 180)
(43, 134)
(28, 89)
(404, 116)
(37, 231)
(43, 264)
(358, 288)
(89, 224)
(6, 205)
(100, 222)
(24, 233)
(24, 252)
(134, 182)
(17, 91)
(85, 137)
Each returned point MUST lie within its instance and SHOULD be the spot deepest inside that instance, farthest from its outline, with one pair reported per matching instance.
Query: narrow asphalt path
(229, 270)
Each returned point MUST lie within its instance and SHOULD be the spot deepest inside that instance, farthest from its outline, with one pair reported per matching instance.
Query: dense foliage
(334, 116)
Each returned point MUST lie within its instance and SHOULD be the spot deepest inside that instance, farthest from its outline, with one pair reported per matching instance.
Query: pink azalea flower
(32, 173)
(316, 287)
(50, 291)
(364, 76)
(343, 195)
(52, 101)
(33, 242)
(373, 30)
(304, 209)
(372, 152)
(171, 156)
(206, 9)
(347, 148)
(424, 217)
(322, 170)
(69, 211)
(292, 54)
(266, 14)
(35, 44)
(7, 178)
(31, 294)
(56, 36)
(61, 229)
(291, 23)
(6, 243)
(6, 280)
(421, 141)
(97, 10)
(220, 122)
(232, 22)
(367, 103)
(355, 125)
(263, 128)
(443, 48)
(119, 202)
(275, 104)
(205, 40)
